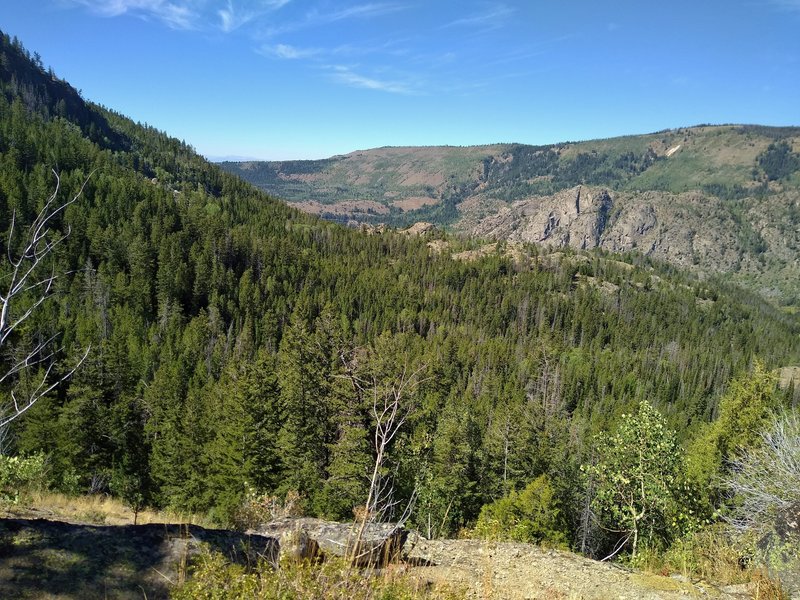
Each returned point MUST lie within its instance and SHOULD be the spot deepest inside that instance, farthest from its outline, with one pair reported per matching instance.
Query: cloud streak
(317, 18)
(288, 52)
(185, 14)
(361, 11)
(493, 17)
(346, 76)
(232, 18)
(176, 15)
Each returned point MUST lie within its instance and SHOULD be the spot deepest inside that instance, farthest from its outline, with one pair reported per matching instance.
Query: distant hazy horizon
(289, 79)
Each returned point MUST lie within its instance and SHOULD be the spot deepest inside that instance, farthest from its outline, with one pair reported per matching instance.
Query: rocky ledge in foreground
(42, 559)
(46, 559)
(515, 571)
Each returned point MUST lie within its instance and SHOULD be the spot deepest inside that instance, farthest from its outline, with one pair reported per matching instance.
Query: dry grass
(212, 577)
(97, 509)
(714, 555)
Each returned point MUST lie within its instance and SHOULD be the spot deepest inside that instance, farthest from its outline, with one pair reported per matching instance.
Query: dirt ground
(42, 558)
(512, 571)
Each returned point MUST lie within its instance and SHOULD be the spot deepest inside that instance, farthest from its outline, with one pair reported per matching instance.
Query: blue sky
(280, 79)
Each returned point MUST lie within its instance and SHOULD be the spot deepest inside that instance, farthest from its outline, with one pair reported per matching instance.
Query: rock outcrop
(689, 229)
(576, 217)
(420, 228)
(47, 559)
(379, 544)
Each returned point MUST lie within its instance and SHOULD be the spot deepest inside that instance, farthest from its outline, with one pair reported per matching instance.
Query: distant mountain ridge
(718, 199)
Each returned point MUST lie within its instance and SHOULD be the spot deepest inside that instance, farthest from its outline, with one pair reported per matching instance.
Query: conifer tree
(303, 375)
(242, 455)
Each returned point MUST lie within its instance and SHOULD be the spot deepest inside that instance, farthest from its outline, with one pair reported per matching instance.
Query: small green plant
(532, 515)
(19, 474)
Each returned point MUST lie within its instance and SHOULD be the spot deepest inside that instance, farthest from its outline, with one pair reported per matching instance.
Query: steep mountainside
(240, 349)
(719, 199)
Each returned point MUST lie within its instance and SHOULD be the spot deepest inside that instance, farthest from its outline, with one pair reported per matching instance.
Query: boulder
(296, 545)
(379, 543)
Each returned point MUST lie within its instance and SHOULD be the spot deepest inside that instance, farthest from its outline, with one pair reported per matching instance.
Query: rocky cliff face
(576, 217)
(690, 229)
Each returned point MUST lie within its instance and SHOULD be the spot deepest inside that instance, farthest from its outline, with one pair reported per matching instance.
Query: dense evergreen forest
(236, 346)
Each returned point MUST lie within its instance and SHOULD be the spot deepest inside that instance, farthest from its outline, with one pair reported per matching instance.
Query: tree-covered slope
(716, 199)
(237, 344)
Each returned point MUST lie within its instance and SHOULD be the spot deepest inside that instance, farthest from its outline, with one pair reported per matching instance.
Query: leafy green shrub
(533, 515)
(213, 578)
(18, 474)
(744, 412)
(638, 487)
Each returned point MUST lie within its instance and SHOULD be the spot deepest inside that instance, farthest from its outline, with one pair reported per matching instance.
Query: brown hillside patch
(344, 208)
(414, 202)
(415, 178)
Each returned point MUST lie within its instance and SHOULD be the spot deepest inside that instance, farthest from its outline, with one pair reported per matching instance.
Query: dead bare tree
(766, 480)
(393, 400)
(392, 404)
(28, 281)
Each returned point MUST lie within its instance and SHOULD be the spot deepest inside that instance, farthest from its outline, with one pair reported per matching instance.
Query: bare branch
(23, 290)
(393, 401)
(41, 390)
(766, 479)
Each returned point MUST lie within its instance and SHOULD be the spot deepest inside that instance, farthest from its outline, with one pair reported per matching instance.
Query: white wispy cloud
(392, 48)
(361, 11)
(186, 14)
(346, 76)
(317, 18)
(492, 17)
(177, 15)
(232, 17)
(289, 52)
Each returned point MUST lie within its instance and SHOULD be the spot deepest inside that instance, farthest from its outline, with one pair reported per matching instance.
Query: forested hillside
(237, 345)
(712, 199)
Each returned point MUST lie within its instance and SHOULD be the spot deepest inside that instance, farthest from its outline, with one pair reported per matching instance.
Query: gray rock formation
(576, 217)
(688, 229)
(296, 545)
(380, 543)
